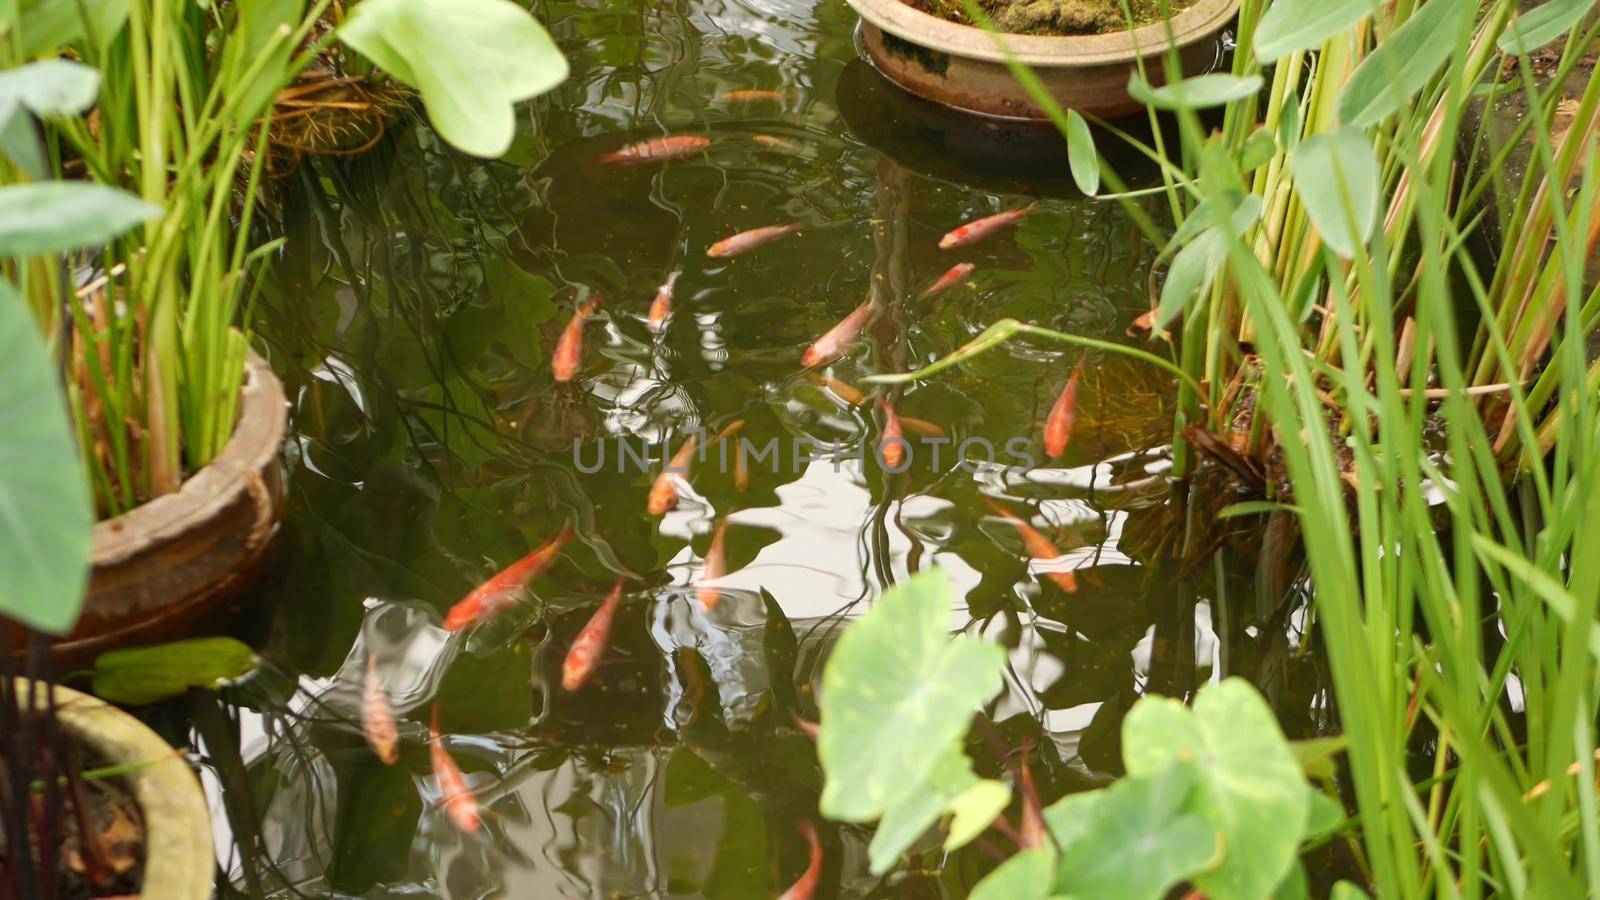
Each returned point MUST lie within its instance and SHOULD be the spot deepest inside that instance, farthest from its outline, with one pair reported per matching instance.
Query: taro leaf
(907, 820)
(1322, 815)
(1194, 93)
(47, 25)
(1294, 885)
(1401, 65)
(1249, 784)
(896, 689)
(1026, 876)
(143, 675)
(61, 216)
(1539, 26)
(1133, 840)
(1081, 155)
(470, 59)
(974, 810)
(45, 513)
(1316, 754)
(1292, 25)
(51, 87)
(1338, 180)
(1258, 149)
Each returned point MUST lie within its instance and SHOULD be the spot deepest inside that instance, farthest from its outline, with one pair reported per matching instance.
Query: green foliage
(144, 675)
(1291, 26)
(1400, 66)
(1199, 92)
(45, 514)
(58, 216)
(1543, 24)
(1081, 155)
(48, 24)
(1339, 183)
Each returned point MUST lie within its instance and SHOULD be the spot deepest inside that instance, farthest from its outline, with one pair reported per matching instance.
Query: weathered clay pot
(160, 568)
(963, 67)
(179, 863)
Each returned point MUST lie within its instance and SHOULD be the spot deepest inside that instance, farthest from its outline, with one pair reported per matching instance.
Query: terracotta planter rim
(179, 859)
(257, 437)
(1196, 23)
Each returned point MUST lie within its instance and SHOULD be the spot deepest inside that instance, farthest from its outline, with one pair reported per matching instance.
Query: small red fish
(892, 444)
(807, 727)
(752, 96)
(591, 642)
(921, 426)
(749, 240)
(664, 493)
(494, 596)
(948, 280)
(741, 469)
(1058, 428)
(454, 794)
(838, 388)
(807, 885)
(1034, 830)
(831, 345)
(776, 143)
(569, 349)
(715, 567)
(975, 231)
(656, 150)
(1037, 545)
(662, 307)
(377, 717)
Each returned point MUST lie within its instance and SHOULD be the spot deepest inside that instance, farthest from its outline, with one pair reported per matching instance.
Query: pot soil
(1055, 17)
(164, 569)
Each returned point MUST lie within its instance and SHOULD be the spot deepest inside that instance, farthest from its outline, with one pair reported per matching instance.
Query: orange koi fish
(749, 240)
(1058, 428)
(662, 307)
(653, 151)
(838, 388)
(807, 885)
(455, 796)
(807, 727)
(377, 717)
(664, 493)
(972, 232)
(715, 567)
(741, 469)
(1037, 545)
(948, 280)
(830, 346)
(591, 642)
(494, 596)
(569, 350)
(921, 426)
(892, 444)
(752, 96)
(776, 143)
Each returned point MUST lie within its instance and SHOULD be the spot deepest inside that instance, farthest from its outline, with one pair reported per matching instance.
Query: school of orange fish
(502, 591)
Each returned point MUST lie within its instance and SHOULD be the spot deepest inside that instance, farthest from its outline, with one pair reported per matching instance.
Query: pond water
(413, 323)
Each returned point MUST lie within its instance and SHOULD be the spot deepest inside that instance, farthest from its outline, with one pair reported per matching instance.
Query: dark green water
(413, 322)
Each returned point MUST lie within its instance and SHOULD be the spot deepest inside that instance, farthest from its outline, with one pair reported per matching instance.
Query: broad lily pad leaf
(1291, 25)
(143, 675)
(1025, 876)
(1081, 155)
(51, 87)
(1401, 65)
(1543, 24)
(897, 686)
(917, 811)
(1132, 840)
(1337, 177)
(470, 59)
(1249, 785)
(45, 512)
(48, 25)
(1194, 93)
(60, 216)
(974, 810)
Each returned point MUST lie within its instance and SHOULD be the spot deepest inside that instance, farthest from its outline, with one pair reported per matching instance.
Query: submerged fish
(838, 388)
(1058, 428)
(494, 596)
(921, 426)
(454, 795)
(804, 888)
(777, 143)
(1143, 325)
(715, 567)
(569, 349)
(952, 275)
(1037, 545)
(661, 308)
(831, 345)
(377, 717)
(752, 96)
(656, 150)
(664, 493)
(741, 469)
(749, 240)
(590, 643)
(892, 444)
(975, 231)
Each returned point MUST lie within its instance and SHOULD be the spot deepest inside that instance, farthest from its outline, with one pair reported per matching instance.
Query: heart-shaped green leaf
(1543, 24)
(1291, 25)
(60, 216)
(143, 675)
(1199, 92)
(51, 87)
(1337, 177)
(1401, 65)
(1025, 876)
